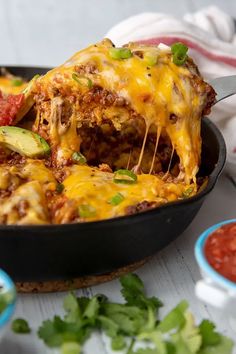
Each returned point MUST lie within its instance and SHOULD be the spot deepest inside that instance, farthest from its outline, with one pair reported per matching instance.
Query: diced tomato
(9, 106)
(220, 250)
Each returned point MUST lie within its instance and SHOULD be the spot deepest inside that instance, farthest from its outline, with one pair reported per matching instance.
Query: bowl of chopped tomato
(215, 252)
(7, 301)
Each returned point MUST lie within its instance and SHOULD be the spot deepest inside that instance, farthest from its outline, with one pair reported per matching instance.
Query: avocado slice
(23, 141)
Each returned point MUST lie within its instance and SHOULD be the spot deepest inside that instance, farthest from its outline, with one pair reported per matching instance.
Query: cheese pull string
(155, 150)
(129, 159)
(169, 165)
(137, 168)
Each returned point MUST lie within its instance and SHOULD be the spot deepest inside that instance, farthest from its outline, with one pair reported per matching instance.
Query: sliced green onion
(82, 80)
(116, 199)
(125, 177)
(60, 187)
(16, 82)
(120, 53)
(179, 52)
(79, 158)
(150, 58)
(187, 192)
(19, 325)
(86, 211)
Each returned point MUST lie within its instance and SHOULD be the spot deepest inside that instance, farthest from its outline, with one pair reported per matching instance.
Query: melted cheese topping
(155, 92)
(83, 185)
(93, 187)
(31, 194)
(7, 87)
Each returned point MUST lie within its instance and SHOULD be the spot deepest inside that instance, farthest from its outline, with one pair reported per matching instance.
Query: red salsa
(220, 250)
(9, 106)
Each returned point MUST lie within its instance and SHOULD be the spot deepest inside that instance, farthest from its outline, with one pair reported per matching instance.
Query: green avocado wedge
(23, 141)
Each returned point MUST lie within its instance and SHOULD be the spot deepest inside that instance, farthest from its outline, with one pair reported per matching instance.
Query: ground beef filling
(106, 138)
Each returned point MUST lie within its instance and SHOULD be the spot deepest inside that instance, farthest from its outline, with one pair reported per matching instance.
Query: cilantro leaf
(70, 348)
(190, 333)
(118, 343)
(146, 351)
(133, 292)
(20, 325)
(55, 332)
(174, 319)
(225, 346)
(129, 319)
(71, 306)
(208, 333)
(83, 303)
(134, 320)
(49, 334)
(91, 310)
(109, 326)
(181, 346)
(155, 337)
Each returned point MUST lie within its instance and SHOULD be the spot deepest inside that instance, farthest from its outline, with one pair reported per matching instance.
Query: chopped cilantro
(131, 322)
(70, 348)
(209, 335)
(20, 326)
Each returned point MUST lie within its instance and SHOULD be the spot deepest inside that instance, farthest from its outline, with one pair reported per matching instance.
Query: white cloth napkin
(211, 37)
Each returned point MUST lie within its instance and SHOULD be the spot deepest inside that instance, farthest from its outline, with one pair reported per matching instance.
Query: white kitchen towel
(211, 38)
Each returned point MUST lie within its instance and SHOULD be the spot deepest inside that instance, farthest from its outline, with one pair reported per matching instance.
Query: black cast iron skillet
(62, 252)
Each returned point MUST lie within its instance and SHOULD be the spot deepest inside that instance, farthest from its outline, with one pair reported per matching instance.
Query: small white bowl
(214, 289)
(6, 286)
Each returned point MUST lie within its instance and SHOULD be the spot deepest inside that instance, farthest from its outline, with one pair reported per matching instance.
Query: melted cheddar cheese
(7, 86)
(154, 92)
(27, 203)
(150, 110)
(83, 185)
(90, 186)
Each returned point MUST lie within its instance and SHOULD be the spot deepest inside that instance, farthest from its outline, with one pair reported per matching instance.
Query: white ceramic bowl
(6, 286)
(213, 288)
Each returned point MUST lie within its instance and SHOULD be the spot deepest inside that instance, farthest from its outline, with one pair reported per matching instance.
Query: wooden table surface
(46, 32)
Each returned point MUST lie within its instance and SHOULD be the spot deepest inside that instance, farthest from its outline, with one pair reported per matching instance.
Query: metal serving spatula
(224, 87)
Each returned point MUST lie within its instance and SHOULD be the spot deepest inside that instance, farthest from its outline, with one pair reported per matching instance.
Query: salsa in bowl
(216, 257)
